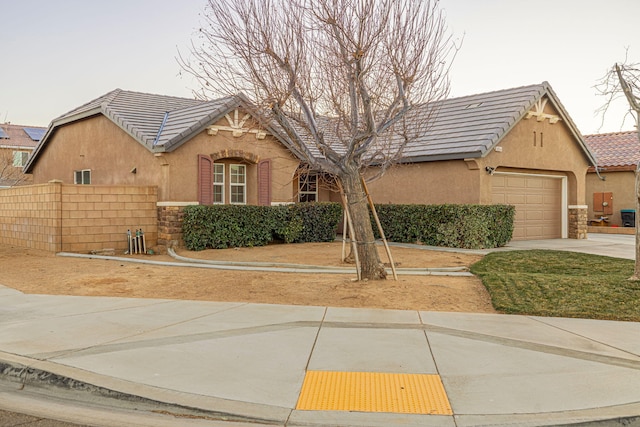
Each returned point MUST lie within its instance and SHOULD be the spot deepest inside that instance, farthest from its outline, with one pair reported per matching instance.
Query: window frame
(303, 181)
(20, 158)
(84, 173)
(218, 184)
(237, 185)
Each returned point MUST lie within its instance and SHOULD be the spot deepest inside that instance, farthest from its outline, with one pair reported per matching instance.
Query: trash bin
(628, 217)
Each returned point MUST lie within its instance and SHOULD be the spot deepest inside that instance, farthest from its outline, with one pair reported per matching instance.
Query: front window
(82, 177)
(20, 158)
(218, 183)
(308, 187)
(238, 184)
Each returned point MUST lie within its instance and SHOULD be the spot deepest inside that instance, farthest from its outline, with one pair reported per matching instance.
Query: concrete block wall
(30, 216)
(97, 217)
(77, 218)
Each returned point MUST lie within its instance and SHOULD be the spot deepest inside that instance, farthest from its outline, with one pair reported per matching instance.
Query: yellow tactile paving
(373, 392)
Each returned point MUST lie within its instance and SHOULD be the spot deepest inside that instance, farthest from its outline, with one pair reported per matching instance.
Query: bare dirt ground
(39, 272)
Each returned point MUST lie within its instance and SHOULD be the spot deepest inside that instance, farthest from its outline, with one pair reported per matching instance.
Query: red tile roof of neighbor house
(20, 136)
(620, 150)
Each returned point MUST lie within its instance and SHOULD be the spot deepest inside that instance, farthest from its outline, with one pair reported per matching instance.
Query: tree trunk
(371, 267)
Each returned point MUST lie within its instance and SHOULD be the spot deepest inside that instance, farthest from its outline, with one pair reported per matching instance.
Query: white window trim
(243, 185)
(219, 184)
(19, 159)
(300, 182)
(564, 198)
(82, 171)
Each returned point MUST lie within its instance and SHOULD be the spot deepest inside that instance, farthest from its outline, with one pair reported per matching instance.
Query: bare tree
(623, 80)
(341, 78)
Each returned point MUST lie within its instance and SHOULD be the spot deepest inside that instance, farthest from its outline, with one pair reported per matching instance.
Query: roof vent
(477, 104)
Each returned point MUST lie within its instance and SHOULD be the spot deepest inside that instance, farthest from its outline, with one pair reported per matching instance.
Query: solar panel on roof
(3, 134)
(35, 133)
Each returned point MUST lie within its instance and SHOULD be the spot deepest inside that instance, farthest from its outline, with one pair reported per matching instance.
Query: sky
(60, 54)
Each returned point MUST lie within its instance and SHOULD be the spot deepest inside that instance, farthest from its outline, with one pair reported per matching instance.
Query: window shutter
(264, 183)
(205, 180)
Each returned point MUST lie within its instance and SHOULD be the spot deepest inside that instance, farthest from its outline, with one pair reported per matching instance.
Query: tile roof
(159, 122)
(464, 127)
(15, 136)
(615, 149)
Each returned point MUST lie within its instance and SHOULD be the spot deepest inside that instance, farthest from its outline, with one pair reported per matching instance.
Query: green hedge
(456, 226)
(228, 226)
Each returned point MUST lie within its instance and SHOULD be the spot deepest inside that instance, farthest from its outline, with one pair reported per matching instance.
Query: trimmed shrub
(318, 221)
(456, 226)
(227, 226)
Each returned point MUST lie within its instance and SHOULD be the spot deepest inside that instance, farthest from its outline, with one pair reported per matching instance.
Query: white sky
(59, 54)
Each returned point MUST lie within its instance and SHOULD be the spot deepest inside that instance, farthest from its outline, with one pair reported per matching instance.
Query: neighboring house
(16, 144)
(516, 146)
(618, 155)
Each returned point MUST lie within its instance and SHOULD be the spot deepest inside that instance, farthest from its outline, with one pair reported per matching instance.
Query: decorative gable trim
(236, 126)
(538, 112)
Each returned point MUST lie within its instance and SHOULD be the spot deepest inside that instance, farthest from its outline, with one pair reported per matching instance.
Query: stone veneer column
(577, 222)
(170, 218)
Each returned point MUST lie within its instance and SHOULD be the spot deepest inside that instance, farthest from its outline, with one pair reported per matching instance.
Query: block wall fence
(59, 217)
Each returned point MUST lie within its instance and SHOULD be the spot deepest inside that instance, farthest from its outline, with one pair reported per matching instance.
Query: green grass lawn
(560, 284)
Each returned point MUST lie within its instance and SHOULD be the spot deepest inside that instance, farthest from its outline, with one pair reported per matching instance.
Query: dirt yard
(39, 272)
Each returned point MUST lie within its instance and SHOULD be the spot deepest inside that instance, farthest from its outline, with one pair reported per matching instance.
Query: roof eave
(442, 157)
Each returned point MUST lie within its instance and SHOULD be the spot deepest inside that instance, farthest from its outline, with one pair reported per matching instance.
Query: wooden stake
(345, 233)
(351, 233)
(384, 239)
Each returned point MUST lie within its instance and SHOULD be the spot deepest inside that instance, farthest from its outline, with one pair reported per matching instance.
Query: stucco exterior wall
(182, 163)
(622, 186)
(98, 144)
(428, 183)
(542, 147)
(113, 156)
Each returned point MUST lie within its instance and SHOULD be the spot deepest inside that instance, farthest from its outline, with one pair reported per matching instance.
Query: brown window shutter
(597, 202)
(264, 183)
(205, 180)
(608, 199)
(603, 202)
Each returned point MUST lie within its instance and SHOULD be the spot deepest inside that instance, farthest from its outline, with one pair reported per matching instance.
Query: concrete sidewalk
(246, 363)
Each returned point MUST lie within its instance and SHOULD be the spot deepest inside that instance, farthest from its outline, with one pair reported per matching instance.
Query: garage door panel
(516, 199)
(538, 203)
(535, 199)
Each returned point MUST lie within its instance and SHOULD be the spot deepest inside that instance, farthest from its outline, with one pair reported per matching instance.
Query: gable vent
(476, 105)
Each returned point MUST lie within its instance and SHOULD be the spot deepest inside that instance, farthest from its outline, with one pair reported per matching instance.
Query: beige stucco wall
(428, 183)
(556, 152)
(622, 186)
(98, 144)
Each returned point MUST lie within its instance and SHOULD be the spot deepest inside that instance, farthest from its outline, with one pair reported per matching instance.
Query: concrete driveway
(613, 245)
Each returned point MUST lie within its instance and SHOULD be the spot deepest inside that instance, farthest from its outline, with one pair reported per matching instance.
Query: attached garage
(539, 202)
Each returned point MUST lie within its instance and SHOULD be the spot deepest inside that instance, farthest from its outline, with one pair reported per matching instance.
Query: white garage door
(538, 202)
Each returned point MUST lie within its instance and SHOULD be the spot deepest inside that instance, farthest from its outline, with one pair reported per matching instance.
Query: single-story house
(516, 146)
(16, 144)
(617, 155)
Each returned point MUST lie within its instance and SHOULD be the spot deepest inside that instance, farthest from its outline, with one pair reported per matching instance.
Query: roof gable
(617, 149)
(471, 126)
